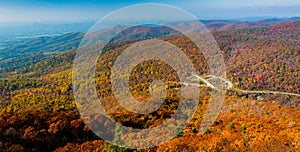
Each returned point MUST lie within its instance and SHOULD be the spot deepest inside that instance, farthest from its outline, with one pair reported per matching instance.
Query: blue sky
(91, 10)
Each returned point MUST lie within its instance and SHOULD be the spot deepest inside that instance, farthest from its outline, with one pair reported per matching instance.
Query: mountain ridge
(58, 43)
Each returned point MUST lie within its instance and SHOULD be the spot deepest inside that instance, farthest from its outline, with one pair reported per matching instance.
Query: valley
(38, 111)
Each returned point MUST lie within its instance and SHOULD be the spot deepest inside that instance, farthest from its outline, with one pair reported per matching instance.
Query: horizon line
(250, 18)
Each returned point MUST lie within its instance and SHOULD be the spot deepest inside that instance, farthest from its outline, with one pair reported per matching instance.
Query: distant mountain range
(51, 44)
(215, 25)
(44, 44)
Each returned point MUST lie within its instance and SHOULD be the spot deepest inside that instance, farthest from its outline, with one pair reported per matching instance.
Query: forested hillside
(38, 112)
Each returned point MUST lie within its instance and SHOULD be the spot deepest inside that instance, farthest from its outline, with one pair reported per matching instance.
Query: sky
(92, 10)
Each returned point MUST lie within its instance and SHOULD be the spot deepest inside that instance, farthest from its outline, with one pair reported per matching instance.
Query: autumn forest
(38, 110)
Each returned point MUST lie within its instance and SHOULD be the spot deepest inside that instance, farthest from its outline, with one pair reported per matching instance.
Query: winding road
(230, 85)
